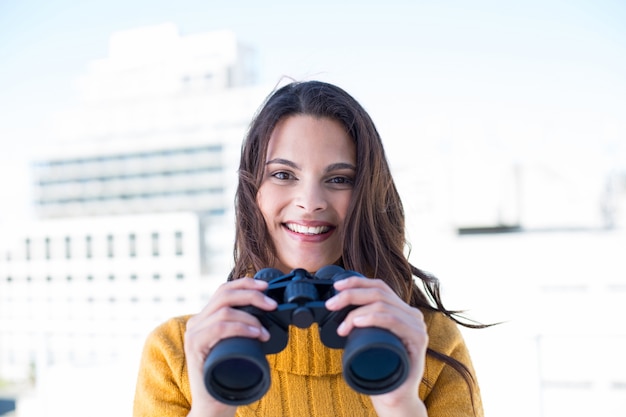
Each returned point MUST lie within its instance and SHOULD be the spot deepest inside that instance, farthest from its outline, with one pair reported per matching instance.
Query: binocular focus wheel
(329, 271)
(268, 274)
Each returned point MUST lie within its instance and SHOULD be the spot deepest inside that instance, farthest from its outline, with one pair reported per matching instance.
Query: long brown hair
(374, 235)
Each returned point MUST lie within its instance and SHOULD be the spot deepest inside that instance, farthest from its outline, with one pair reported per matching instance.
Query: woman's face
(306, 189)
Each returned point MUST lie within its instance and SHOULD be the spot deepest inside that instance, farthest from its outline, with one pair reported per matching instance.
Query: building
(134, 206)
(74, 288)
(159, 130)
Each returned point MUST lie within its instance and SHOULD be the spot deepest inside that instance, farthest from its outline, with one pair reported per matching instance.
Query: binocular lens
(374, 365)
(228, 375)
(374, 361)
(236, 371)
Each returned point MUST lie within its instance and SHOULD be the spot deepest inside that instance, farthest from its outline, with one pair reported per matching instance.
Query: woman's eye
(341, 180)
(281, 175)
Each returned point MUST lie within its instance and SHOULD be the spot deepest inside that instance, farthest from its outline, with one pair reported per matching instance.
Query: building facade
(85, 291)
(133, 198)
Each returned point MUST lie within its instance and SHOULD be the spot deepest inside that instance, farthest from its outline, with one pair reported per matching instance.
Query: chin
(306, 265)
(308, 261)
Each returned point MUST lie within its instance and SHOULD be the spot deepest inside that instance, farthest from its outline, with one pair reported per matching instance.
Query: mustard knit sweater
(306, 377)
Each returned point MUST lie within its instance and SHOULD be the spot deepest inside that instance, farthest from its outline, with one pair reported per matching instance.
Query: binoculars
(374, 360)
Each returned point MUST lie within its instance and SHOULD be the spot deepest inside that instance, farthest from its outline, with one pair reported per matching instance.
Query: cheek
(266, 202)
(344, 205)
(260, 203)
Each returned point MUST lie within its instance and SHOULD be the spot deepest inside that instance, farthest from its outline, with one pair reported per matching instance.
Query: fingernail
(331, 302)
(254, 330)
(339, 284)
(265, 333)
(270, 301)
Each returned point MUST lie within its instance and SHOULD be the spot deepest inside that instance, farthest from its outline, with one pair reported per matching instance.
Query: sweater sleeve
(449, 394)
(162, 387)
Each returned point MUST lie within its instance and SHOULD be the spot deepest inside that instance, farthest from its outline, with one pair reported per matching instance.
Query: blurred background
(120, 128)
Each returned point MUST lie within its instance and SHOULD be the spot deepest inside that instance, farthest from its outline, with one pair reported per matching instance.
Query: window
(27, 249)
(132, 245)
(47, 247)
(110, 243)
(68, 247)
(155, 244)
(179, 243)
(88, 250)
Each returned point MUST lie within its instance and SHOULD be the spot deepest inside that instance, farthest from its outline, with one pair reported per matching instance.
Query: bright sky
(528, 70)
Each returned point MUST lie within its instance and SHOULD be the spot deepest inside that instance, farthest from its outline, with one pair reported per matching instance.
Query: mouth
(307, 230)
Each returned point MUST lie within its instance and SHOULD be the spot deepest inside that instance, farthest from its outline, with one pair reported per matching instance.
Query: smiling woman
(315, 189)
(306, 190)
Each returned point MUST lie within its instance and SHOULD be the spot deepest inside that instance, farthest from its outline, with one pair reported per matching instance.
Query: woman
(315, 189)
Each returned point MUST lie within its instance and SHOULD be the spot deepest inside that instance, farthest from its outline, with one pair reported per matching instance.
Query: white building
(134, 205)
(84, 291)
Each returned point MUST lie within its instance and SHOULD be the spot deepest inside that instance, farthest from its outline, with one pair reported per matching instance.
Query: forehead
(306, 136)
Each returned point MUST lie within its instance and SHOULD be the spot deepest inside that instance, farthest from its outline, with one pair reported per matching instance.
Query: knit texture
(306, 377)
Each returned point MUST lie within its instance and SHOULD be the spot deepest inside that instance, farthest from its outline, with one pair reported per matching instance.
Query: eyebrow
(282, 161)
(339, 166)
(332, 167)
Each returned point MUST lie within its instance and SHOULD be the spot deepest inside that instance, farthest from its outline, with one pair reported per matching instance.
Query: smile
(307, 230)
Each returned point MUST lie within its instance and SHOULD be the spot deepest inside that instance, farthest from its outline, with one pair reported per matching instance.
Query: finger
(244, 283)
(203, 339)
(219, 325)
(248, 292)
(225, 314)
(359, 282)
(356, 296)
(378, 314)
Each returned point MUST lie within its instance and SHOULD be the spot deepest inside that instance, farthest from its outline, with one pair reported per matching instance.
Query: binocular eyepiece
(374, 360)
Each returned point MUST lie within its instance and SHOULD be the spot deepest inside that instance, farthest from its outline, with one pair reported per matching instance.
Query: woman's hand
(220, 320)
(381, 307)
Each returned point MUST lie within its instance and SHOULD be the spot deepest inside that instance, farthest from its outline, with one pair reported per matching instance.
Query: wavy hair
(374, 230)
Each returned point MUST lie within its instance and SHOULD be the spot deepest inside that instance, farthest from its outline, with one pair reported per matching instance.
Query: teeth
(307, 230)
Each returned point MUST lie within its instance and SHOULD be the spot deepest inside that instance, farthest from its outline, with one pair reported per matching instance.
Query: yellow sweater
(306, 377)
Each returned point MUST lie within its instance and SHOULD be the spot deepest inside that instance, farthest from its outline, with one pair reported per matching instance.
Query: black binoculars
(374, 360)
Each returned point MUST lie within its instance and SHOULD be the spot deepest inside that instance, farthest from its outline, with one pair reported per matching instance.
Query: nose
(311, 197)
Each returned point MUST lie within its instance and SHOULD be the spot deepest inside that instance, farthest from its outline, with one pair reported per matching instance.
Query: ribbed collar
(305, 354)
